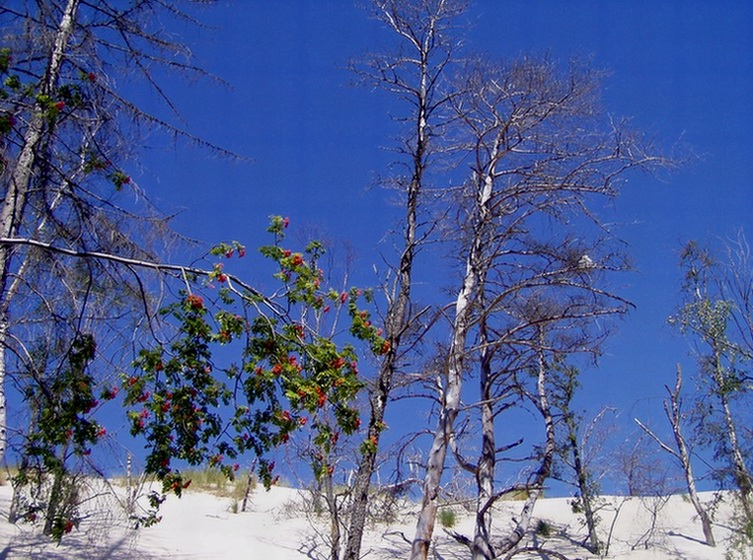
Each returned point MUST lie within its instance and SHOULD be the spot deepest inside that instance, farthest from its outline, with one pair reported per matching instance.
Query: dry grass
(517, 496)
(7, 474)
(215, 482)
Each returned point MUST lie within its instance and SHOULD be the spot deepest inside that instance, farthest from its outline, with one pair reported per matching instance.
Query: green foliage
(67, 104)
(64, 403)
(447, 518)
(543, 528)
(740, 543)
(63, 434)
(289, 375)
(714, 315)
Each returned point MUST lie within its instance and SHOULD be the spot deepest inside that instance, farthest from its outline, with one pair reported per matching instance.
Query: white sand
(201, 526)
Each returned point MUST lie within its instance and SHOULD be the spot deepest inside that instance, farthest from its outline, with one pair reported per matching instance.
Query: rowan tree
(81, 260)
(66, 136)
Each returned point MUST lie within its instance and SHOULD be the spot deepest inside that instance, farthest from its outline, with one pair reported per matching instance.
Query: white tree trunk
(674, 415)
(682, 454)
(14, 201)
(450, 404)
(536, 485)
(451, 391)
(482, 547)
(741, 473)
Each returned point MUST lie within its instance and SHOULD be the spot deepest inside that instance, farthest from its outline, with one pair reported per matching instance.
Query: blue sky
(682, 70)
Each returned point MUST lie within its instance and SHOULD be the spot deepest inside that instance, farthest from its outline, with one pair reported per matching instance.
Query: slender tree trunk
(740, 470)
(14, 202)
(398, 319)
(449, 409)
(583, 487)
(334, 518)
(3, 410)
(482, 548)
(536, 486)
(672, 410)
(451, 392)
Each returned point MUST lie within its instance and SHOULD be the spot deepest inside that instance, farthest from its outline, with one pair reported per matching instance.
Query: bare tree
(415, 73)
(539, 153)
(680, 451)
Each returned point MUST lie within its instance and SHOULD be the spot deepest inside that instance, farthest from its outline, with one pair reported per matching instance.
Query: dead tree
(415, 73)
(539, 153)
(673, 411)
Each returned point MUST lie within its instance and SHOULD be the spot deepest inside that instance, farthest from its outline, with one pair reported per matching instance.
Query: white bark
(481, 548)
(741, 473)
(536, 485)
(682, 454)
(451, 392)
(14, 202)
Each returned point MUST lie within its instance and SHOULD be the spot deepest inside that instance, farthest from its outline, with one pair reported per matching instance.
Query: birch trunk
(449, 410)
(397, 321)
(583, 489)
(674, 415)
(536, 486)
(451, 392)
(398, 317)
(741, 474)
(682, 454)
(14, 202)
(482, 549)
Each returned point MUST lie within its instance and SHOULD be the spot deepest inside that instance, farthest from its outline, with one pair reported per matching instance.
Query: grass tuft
(447, 518)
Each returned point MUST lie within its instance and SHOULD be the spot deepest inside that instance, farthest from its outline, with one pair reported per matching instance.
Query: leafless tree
(680, 451)
(416, 74)
(540, 152)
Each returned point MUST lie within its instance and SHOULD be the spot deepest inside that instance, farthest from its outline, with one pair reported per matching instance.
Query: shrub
(543, 528)
(447, 518)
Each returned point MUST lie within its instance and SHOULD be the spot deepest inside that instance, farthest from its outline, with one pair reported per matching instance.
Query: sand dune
(202, 526)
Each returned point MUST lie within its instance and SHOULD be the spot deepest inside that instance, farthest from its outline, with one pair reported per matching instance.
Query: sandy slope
(201, 526)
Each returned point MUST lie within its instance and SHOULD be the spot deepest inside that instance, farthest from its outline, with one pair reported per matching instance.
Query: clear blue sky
(682, 70)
